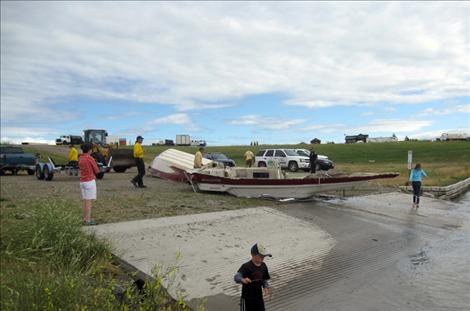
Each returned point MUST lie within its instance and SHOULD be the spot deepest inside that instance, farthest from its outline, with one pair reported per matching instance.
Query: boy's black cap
(139, 137)
(259, 249)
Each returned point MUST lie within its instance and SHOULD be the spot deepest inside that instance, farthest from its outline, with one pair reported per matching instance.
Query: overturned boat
(253, 182)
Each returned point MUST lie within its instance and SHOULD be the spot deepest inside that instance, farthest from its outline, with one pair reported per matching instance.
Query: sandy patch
(214, 245)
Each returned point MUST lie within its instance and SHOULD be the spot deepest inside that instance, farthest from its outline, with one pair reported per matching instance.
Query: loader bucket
(122, 159)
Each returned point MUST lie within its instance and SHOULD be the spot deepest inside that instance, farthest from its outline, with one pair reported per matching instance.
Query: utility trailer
(46, 171)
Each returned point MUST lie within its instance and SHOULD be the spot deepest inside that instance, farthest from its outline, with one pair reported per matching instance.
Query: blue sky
(234, 72)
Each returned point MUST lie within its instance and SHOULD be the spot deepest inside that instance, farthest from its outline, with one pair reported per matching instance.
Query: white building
(391, 139)
(454, 136)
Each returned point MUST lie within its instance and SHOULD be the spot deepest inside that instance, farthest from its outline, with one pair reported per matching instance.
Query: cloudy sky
(233, 72)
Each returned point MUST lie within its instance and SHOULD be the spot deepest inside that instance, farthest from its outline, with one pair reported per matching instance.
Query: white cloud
(30, 140)
(392, 126)
(178, 118)
(266, 123)
(195, 55)
(121, 116)
(17, 135)
(437, 133)
(15, 131)
(373, 128)
(181, 119)
(446, 111)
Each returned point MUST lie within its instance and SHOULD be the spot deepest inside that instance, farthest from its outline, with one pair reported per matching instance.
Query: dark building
(315, 141)
(352, 139)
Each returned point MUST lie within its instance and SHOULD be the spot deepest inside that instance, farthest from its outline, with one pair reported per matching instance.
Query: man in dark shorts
(254, 276)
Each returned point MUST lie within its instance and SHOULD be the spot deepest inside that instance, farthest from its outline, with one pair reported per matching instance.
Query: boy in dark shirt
(254, 276)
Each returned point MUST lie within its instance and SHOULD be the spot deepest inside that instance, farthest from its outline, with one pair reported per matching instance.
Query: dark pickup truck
(14, 159)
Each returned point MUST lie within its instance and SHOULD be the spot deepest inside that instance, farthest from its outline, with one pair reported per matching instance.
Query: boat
(174, 165)
(253, 182)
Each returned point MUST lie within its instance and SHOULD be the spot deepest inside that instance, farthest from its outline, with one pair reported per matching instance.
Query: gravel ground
(118, 200)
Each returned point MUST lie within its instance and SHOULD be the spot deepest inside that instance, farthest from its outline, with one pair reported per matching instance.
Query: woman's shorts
(88, 189)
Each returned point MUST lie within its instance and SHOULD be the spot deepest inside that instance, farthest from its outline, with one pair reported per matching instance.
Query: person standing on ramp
(254, 276)
(416, 176)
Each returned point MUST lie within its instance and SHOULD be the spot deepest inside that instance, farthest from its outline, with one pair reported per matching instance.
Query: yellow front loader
(121, 158)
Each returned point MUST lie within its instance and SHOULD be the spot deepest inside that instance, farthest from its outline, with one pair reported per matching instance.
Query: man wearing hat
(254, 276)
(138, 181)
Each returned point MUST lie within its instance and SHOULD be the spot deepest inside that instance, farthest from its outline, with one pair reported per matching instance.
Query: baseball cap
(259, 249)
(139, 137)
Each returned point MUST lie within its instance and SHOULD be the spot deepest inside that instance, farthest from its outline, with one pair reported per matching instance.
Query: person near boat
(198, 158)
(249, 158)
(313, 157)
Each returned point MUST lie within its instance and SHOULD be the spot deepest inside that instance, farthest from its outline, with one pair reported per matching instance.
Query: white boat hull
(278, 192)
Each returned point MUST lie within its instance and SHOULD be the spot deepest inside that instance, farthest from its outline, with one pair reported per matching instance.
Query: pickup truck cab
(69, 139)
(14, 159)
(287, 158)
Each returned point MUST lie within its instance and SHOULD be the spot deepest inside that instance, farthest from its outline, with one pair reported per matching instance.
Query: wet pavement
(364, 253)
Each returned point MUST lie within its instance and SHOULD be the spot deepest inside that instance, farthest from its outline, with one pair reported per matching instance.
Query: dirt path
(118, 200)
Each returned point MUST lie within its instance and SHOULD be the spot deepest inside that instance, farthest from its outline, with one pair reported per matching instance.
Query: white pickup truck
(287, 158)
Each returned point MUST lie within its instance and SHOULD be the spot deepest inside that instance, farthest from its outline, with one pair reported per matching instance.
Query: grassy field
(445, 162)
(49, 264)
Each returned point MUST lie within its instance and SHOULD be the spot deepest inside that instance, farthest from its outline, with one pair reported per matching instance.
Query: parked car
(14, 159)
(323, 163)
(221, 158)
(287, 158)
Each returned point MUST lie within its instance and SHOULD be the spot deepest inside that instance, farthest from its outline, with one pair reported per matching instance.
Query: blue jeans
(416, 191)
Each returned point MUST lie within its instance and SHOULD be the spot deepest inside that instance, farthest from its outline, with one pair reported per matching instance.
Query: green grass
(351, 153)
(57, 156)
(49, 263)
(447, 162)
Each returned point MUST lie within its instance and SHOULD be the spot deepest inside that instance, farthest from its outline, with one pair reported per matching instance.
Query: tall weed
(53, 232)
(49, 263)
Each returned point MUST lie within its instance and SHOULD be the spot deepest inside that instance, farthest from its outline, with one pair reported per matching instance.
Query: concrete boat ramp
(363, 253)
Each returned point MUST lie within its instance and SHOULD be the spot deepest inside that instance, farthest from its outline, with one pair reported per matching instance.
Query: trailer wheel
(31, 172)
(48, 175)
(39, 172)
(100, 175)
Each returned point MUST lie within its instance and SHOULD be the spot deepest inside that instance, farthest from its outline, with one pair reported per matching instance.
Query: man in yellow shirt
(198, 158)
(138, 181)
(73, 156)
(249, 158)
